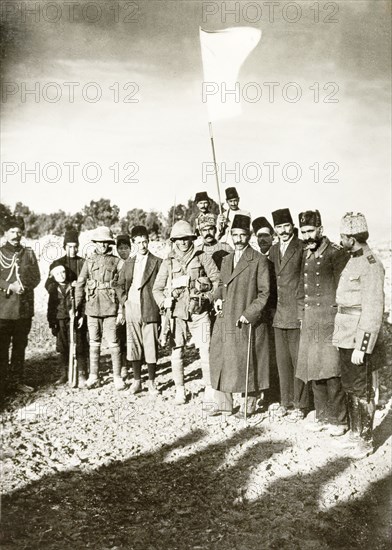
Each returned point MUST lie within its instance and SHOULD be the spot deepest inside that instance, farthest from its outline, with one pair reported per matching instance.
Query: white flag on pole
(223, 52)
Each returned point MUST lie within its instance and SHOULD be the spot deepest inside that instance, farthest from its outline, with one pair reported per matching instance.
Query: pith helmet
(182, 230)
(102, 234)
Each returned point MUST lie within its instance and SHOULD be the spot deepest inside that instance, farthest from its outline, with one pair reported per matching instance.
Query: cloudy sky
(148, 153)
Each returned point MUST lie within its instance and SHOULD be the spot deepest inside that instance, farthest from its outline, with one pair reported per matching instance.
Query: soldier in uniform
(73, 264)
(95, 286)
(203, 203)
(286, 255)
(225, 219)
(184, 286)
(358, 322)
(318, 358)
(19, 275)
(210, 245)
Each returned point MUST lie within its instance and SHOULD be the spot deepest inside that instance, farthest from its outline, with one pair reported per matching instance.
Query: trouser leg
(95, 325)
(151, 371)
(285, 368)
(337, 402)
(5, 342)
(200, 328)
(320, 393)
(136, 369)
(20, 333)
(177, 364)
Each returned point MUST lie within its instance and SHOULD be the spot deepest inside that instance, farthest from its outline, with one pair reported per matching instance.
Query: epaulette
(371, 259)
(336, 246)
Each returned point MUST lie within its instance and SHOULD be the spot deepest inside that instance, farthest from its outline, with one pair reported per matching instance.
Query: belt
(101, 286)
(350, 310)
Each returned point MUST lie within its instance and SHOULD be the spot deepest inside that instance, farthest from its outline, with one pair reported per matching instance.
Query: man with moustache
(203, 202)
(318, 358)
(265, 236)
(240, 304)
(286, 256)
(19, 276)
(226, 218)
(358, 322)
(210, 245)
(184, 285)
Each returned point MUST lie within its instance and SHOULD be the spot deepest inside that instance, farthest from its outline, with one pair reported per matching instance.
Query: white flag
(223, 53)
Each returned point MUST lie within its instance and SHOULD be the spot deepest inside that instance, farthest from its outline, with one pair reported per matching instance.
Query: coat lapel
(243, 263)
(289, 253)
(150, 264)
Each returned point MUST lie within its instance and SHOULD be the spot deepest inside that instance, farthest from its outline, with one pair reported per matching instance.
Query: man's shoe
(180, 397)
(361, 450)
(296, 415)
(335, 430)
(136, 387)
(24, 388)
(152, 389)
(277, 411)
(92, 382)
(118, 383)
(317, 426)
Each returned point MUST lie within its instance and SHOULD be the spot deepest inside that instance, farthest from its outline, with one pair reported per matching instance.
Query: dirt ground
(104, 470)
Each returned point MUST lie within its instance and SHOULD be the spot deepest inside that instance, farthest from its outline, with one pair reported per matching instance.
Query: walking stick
(247, 373)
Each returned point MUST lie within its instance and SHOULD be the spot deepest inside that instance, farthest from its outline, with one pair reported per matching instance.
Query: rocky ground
(104, 470)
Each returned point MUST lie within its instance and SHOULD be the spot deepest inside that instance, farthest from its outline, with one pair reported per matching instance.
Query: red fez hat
(260, 223)
(282, 216)
(241, 222)
(231, 193)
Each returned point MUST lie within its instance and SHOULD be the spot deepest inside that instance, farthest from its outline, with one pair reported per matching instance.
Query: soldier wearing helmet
(95, 285)
(184, 285)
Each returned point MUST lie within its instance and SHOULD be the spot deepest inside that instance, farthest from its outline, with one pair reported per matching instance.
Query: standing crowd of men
(297, 321)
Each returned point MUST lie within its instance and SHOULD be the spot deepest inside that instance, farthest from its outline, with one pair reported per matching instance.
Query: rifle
(167, 326)
(73, 362)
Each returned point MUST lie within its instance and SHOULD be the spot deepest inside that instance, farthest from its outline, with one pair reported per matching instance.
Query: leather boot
(93, 380)
(64, 371)
(364, 446)
(116, 362)
(351, 439)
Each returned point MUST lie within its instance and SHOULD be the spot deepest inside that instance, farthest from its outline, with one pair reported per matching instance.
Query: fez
(123, 239)
(241, 222)
(202, 196)
(139, 231)
(207, 220)
(231, 193)
(282, 216)
(310, 217)
(261, 223)
(352, 224)
(14, 221)
(71, 236)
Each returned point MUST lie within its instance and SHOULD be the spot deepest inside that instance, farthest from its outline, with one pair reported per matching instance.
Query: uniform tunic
(318, 358)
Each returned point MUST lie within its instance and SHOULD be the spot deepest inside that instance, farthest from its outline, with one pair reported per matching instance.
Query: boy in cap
(286, 255)
(225, 220)
(134, 291)
(71, 260)
(19, 276)
(184, 286)
(318, 359)
(95, 286)
(358, 322)
(240, 303)
(59, 305)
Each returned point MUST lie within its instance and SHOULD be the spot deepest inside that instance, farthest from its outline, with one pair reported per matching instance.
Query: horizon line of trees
(97, 213)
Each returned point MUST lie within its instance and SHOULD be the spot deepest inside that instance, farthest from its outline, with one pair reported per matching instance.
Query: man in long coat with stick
(240, 302)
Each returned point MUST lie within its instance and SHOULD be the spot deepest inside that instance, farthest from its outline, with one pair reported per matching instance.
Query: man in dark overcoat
(286, 255)
(318, 358)
(19, 275)
(240, 302)
(134, 290)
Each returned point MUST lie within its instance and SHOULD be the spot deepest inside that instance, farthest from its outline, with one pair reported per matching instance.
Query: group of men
(297, 321)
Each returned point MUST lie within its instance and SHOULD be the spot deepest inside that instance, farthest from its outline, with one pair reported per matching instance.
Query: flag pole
(216, 166)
